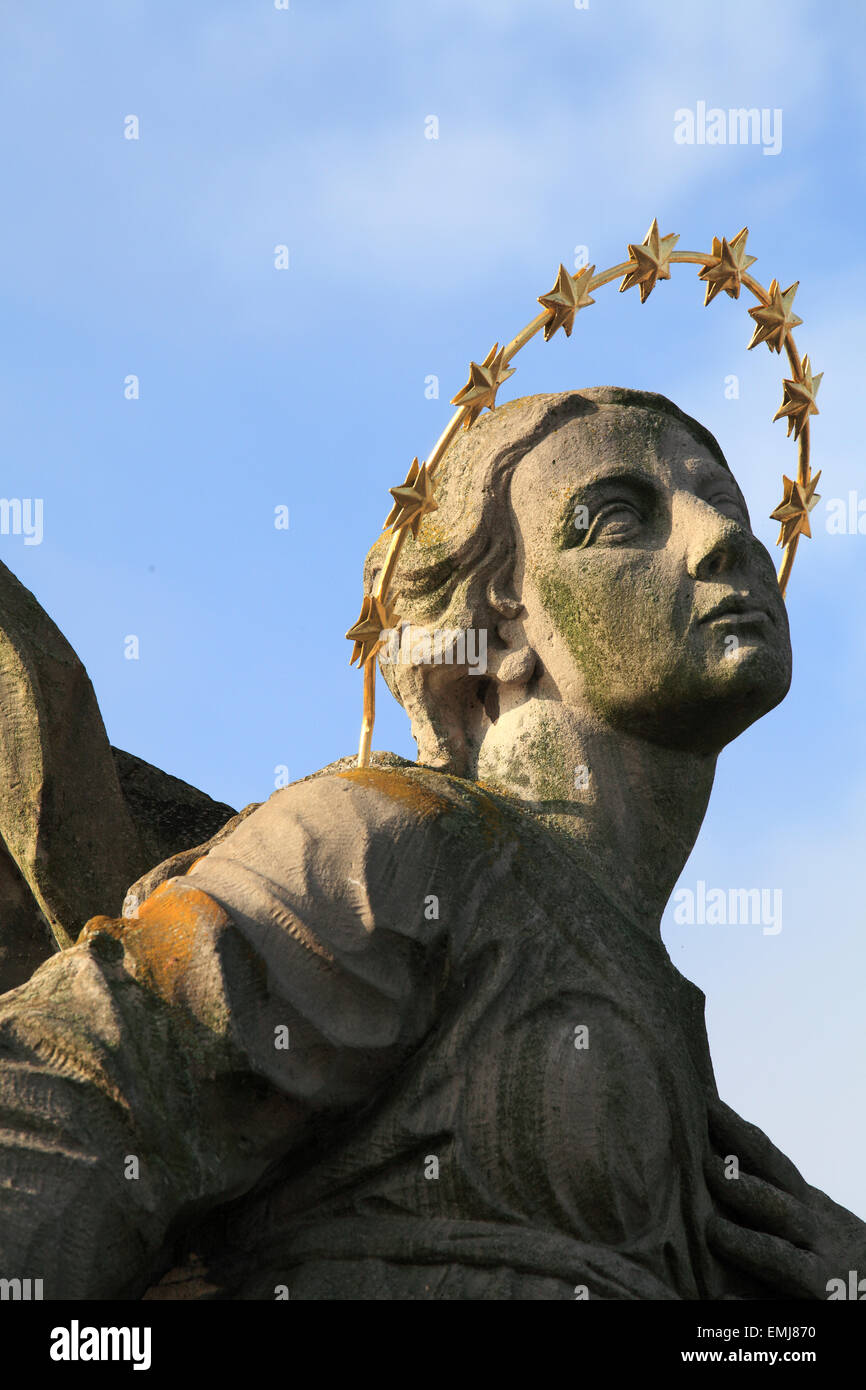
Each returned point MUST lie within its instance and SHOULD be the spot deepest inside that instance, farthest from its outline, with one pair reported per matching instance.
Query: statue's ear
(511, 660)
(450, 702)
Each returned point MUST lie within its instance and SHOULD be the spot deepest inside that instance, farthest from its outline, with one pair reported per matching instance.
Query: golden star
(730, 265)
(798, 401)
(570, 293)
(485, 379)
(774, 321)
(794, 508)
(376, 617)
(412, 501)
(650, 262)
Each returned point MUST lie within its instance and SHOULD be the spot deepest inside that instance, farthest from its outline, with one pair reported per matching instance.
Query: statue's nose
(715, 544)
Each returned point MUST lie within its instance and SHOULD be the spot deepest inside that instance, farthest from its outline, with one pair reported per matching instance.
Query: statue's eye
(613, 522)
(729, 506)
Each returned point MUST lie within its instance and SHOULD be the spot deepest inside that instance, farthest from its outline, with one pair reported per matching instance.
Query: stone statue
(409, 1031)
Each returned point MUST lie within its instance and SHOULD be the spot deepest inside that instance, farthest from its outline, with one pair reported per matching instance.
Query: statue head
(597, 545)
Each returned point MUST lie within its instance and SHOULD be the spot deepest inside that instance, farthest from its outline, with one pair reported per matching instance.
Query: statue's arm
(161, 1065)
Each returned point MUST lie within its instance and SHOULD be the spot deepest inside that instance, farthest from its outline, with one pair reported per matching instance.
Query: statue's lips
(738, 609)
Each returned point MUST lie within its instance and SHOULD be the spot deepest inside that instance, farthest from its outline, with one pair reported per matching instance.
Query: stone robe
(388, 1039)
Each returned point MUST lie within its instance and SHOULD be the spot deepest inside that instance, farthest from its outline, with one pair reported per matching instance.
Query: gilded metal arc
(526, 334)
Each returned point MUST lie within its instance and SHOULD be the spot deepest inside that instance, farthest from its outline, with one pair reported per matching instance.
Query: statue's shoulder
(340, 813)
(390, 786)
(391, 797)
(350, 850)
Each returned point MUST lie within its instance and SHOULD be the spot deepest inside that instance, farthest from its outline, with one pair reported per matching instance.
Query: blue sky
(305, 387)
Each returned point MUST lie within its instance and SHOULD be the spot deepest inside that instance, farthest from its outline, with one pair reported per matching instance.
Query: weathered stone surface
(25, 936)
(556, 1166)
(410, 1032)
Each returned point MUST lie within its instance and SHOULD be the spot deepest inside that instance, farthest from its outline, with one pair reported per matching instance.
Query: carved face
(647, 596)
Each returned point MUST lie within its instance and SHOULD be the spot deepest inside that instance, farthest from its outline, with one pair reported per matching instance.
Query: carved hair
(458, 575)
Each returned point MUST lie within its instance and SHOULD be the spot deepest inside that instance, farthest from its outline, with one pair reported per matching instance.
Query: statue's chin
(754, 680)
(720, 704)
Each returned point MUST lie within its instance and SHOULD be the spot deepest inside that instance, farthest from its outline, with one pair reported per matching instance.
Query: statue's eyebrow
(703, 467)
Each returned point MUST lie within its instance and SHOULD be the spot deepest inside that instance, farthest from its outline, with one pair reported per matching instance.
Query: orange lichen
(161, 939)
(396, 785)
(494, 825)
